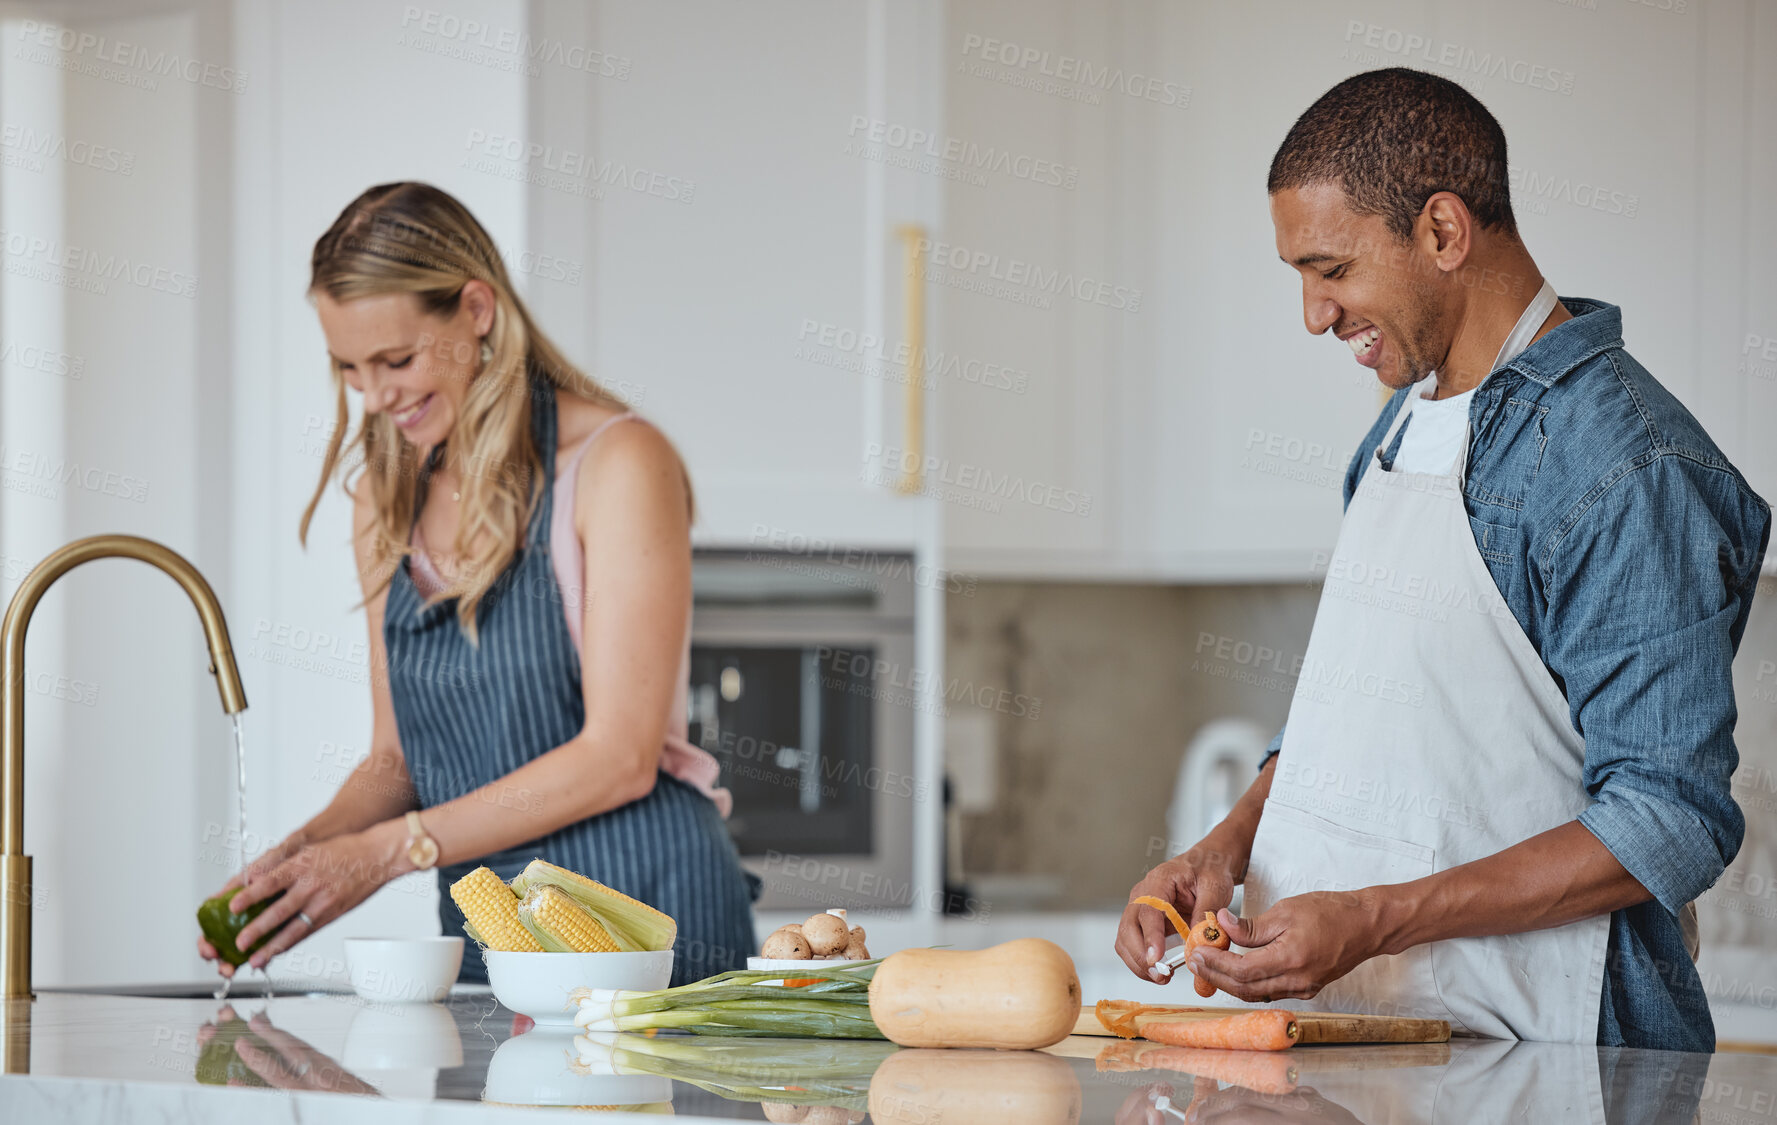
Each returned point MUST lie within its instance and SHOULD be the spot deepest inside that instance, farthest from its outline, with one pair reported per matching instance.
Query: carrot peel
(1166, 908)
(1270, 1029)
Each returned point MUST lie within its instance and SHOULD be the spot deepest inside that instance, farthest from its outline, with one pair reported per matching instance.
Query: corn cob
(560, 925)
(634, 926)
(490, 912)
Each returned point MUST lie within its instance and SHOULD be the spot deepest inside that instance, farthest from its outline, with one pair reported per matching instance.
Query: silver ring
(305, 919)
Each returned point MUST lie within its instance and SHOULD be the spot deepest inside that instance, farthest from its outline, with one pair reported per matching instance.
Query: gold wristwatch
(422, 850)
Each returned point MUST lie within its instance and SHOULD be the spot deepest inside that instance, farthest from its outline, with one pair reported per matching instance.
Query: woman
(524, 546)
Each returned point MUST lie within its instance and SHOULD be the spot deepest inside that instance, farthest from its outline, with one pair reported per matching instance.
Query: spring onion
(744, 1002)
(809, 1072)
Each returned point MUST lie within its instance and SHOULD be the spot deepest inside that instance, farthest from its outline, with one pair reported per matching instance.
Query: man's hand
(1296, 948)
(1199, 880)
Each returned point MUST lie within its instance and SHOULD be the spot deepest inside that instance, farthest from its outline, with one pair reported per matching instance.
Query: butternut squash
(1020, 995)
(978, 1087)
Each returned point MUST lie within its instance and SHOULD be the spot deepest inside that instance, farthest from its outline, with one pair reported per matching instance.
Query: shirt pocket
(1509, 454)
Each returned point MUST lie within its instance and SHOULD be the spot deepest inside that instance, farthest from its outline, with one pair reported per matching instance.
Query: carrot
(1264, 1072)
(1269, 1029)
(1207, 933)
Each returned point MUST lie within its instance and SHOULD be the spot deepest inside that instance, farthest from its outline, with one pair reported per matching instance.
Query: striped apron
(468, 716)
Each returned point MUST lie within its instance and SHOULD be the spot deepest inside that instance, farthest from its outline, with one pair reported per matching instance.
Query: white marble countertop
(339, 1059)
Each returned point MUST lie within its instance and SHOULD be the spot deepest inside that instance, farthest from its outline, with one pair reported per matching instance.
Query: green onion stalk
(744, 1002)
(806, 1072)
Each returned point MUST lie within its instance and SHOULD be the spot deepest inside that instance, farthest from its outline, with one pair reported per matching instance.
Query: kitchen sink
(202, 990)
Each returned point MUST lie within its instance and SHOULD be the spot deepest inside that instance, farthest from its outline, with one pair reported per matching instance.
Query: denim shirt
(1628, 548)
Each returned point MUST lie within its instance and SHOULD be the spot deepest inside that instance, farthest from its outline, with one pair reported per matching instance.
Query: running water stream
(240, 778)
(240, 789)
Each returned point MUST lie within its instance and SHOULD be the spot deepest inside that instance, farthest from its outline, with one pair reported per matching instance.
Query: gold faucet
(15, 865)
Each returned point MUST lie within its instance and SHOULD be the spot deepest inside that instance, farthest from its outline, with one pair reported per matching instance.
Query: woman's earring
(487, 352)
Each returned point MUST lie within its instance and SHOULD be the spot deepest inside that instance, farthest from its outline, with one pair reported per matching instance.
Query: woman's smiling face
(409, 364)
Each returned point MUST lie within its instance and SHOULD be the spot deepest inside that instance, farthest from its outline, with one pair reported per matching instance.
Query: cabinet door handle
(913, 244)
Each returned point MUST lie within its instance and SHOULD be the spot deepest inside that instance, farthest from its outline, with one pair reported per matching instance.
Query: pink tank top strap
(570, 473)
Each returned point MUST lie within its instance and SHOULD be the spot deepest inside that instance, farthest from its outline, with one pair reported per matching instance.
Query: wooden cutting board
(1313, 1027)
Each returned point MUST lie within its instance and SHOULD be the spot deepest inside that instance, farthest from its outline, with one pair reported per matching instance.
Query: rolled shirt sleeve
(1647, 596)
(1272, 749)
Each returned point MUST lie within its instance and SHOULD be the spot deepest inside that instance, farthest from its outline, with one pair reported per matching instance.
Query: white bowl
(543, 1067)
(537, 984)
(402, 1037)
(404, 970)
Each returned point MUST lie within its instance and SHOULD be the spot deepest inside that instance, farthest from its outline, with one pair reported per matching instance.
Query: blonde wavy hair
(415, 238)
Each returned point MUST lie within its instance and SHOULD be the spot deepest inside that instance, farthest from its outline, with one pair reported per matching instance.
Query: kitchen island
(340, 1059)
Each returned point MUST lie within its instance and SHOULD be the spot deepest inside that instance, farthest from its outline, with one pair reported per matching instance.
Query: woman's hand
(267, 862)
(290, 1064)
(320, 882)
(1199, 880)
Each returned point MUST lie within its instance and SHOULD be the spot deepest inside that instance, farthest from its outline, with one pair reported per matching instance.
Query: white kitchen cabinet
(753, 304)
(1209, 431)
(1178, 400)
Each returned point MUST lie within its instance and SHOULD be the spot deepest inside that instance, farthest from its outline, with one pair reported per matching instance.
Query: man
(1504, 779)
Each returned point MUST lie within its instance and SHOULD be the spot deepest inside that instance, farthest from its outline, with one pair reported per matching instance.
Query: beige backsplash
(1121, 676)
(1120, 685)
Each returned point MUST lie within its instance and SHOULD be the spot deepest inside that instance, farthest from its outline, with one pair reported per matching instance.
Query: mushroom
(826, 935)
(777, 1111)
(855, 949)
(787, 944)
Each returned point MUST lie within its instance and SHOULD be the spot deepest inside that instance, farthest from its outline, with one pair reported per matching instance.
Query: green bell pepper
(222, 925)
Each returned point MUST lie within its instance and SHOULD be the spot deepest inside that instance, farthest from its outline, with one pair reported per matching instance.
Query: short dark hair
(1392, 139)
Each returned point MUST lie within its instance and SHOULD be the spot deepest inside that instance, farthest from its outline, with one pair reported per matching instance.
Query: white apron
(1425, 732)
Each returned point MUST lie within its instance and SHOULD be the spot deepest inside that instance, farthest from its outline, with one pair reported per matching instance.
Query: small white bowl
(543, 1067)
(404, 970)
(537, 984)
(401, 1037)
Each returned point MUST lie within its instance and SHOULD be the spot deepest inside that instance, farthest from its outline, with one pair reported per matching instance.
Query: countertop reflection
(130, 1058)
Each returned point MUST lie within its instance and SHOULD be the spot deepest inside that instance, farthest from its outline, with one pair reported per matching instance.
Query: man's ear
(1445, 230)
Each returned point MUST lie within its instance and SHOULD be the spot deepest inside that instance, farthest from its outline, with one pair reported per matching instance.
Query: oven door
(812, 722)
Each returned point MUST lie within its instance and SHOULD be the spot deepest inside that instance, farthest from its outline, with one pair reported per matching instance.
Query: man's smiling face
(1381, 294)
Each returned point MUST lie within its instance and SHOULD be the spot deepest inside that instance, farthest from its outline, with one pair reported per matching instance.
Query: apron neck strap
(1515, 342)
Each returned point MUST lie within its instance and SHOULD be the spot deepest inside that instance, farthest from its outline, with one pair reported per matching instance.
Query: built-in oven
(803, 688)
